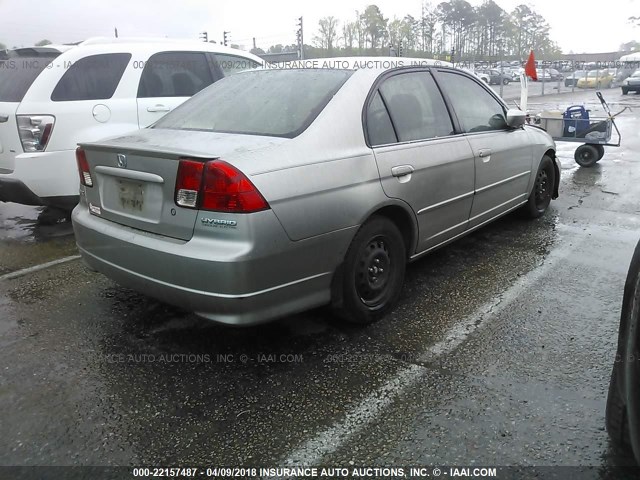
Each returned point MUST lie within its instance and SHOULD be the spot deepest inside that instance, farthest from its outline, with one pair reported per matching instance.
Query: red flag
(530, 67)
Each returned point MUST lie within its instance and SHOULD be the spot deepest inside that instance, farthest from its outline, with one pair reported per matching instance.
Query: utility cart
(575, 125)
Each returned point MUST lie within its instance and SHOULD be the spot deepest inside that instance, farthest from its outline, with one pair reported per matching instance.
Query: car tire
(486, 81)
(371, 277)
(586, 155)
(623, 402)
(543, 186)
(616, 420)
(625, 91)
(505, 81)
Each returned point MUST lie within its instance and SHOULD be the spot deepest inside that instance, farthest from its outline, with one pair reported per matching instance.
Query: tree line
(483, 32)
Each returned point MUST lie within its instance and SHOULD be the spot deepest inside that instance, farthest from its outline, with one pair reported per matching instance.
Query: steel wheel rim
(542, 188)
(373, 272)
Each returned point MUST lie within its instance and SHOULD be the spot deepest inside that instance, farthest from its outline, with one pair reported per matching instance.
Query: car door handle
(158, 108)
(4, 118)
(485, 154)
(402, 170)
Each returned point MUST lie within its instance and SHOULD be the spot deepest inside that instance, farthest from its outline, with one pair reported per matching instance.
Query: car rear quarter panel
(326, 179)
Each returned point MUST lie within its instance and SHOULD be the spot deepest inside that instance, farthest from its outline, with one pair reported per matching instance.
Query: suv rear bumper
(13, 190)
(42, 178)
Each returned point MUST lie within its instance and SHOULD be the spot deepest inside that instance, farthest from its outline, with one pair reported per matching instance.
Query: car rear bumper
(231, 282)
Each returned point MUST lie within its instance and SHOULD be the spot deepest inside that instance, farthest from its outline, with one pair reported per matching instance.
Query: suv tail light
(217, 186)
(35, 131)
(83, 168)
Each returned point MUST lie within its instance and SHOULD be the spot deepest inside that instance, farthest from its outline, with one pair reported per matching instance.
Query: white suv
(53, 97)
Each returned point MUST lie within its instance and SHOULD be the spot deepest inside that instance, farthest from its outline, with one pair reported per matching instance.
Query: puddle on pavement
(23, 223)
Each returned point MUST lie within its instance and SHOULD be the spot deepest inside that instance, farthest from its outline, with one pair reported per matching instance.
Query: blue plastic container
(576, 121)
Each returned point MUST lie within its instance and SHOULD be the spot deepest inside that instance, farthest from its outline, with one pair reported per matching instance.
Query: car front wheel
(372, 275)
(543, 187)
(505, 81)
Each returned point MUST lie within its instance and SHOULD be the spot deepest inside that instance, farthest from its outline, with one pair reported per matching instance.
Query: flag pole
(524, 91)
(529, 71)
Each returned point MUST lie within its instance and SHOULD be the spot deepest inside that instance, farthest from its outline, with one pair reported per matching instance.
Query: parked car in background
(632, 83)
(555, 75)
(485, 77)
(497, 78)
(223, 210)
(623, 402)
(52, 100)
(596, 79)
(543, 75)
(572, 78)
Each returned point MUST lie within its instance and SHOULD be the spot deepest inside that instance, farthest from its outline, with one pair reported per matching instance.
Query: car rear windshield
(278, 103)
(17, 73)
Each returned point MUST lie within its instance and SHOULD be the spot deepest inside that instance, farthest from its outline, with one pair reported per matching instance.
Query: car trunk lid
(134, 177)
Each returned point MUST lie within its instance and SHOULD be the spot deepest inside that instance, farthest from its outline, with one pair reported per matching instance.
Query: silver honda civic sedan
(277, 190)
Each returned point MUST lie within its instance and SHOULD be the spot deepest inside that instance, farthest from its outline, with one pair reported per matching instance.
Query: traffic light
(226, 38)
(300, 39)
(204, 36)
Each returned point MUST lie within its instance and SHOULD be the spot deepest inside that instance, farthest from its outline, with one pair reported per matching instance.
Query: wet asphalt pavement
(499, 352)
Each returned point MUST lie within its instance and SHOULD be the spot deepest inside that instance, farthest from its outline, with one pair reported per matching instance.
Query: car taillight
(35, 131)
(188, 183)
(83, 168)
(217, 186)
(227, 189)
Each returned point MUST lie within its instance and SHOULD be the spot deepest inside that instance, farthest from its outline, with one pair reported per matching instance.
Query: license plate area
(130, 195)
(129, 201)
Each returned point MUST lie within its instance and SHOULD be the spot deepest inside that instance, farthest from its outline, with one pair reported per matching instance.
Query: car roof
(147, 45)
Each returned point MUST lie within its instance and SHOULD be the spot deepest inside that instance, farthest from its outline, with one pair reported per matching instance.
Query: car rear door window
(175, 74)
(476, 109)
(231, 64)
(379, 128)
(416, 106)
(95, 77)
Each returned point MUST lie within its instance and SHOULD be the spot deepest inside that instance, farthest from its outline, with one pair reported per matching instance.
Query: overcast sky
(578, 26)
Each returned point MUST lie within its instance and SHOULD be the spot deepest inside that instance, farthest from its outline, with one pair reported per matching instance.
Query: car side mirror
(515, 118)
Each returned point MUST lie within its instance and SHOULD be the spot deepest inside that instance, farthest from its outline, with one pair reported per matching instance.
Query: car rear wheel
(586, 155)
(540, 197)
(372, 275)
(625, 91)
